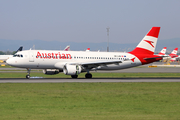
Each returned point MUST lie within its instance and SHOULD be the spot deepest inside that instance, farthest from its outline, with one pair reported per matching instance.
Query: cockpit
(17, 55)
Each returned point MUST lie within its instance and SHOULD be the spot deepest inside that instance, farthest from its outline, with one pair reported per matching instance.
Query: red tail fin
(148, 43)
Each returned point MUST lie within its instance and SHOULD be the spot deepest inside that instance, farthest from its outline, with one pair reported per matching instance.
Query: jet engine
(50, 71)
(72, 69)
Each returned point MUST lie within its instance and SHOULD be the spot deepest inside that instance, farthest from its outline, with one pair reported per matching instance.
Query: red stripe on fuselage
(143, 61)
(138, 50)
(141, 53)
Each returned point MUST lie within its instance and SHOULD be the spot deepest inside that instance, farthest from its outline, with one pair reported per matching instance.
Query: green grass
(97, 101)
(95, 75)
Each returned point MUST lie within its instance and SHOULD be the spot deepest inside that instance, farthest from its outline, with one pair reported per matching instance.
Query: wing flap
(98, 63)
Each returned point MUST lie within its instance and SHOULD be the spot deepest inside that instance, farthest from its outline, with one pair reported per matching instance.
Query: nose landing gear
(28, 73)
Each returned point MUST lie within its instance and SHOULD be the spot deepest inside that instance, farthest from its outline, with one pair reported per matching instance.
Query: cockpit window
(17, 55)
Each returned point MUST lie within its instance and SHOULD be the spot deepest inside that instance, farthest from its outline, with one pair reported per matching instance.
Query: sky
(87, 20)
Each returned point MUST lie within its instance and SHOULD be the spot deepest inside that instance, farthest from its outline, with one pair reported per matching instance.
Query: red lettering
(49, 55)
(59, 55)
(46, 55)
(38, 54)
(53, 55)
(56, 55)
(63, 56)
(68, 56)
(42, 55)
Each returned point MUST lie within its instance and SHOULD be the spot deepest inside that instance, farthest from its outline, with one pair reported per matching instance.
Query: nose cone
(9, 62)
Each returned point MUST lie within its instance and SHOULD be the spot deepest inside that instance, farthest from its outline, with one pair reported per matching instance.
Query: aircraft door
(31, 56)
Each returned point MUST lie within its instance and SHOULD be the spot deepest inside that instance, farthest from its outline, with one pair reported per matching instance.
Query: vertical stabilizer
(163, 51)
(67, 48)
(174, 52)
(88, 49)
(148, 43)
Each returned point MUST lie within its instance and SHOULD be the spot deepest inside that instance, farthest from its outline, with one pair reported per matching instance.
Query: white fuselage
(44, 59)
(5, 57)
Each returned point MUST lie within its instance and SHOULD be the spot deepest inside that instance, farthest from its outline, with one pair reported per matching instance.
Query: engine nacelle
(50, 71)
(72, 69)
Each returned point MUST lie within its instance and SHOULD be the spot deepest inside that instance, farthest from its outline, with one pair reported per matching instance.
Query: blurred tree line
(7, 52)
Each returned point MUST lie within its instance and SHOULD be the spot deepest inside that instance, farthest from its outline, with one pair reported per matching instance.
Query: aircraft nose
(9, 61)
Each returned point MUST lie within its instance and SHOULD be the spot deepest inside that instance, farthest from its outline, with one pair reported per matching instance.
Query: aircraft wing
(99, 63)
(91, 64)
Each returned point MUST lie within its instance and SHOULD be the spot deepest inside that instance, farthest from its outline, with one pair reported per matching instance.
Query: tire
(27, 76)
(74, 76)
(88, 75)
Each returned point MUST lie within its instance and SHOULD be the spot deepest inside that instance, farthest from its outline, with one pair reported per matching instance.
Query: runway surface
(142, 69)
(95, 80)
(130, 70)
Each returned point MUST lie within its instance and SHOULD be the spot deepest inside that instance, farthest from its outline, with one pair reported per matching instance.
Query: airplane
(88, 49)
(162, 52)
(173, 55)
(67, 48)
(3, 58)
(74, 62)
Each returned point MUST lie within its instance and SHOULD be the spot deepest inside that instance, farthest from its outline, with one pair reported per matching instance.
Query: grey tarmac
(129, 70)
(81, 80)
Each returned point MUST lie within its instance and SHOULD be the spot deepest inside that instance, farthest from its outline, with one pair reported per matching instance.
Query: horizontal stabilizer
(150, 58)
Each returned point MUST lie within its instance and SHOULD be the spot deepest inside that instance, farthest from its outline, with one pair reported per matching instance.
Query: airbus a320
(75, 62)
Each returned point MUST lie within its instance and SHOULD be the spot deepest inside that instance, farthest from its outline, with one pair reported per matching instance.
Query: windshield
(17, 55)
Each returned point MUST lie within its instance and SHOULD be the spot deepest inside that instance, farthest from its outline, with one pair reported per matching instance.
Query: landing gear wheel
(74, 76)
(28, 73)
(88, 75)
(27, 76)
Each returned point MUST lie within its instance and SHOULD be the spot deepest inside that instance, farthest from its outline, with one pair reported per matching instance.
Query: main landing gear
(28, 73)
(88, 75)
(74, 76)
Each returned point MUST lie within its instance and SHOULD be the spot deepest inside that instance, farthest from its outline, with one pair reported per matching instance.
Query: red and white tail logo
(174, 52)
(88, 49)
(148, 43)
(163, 51)
(67, 48)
